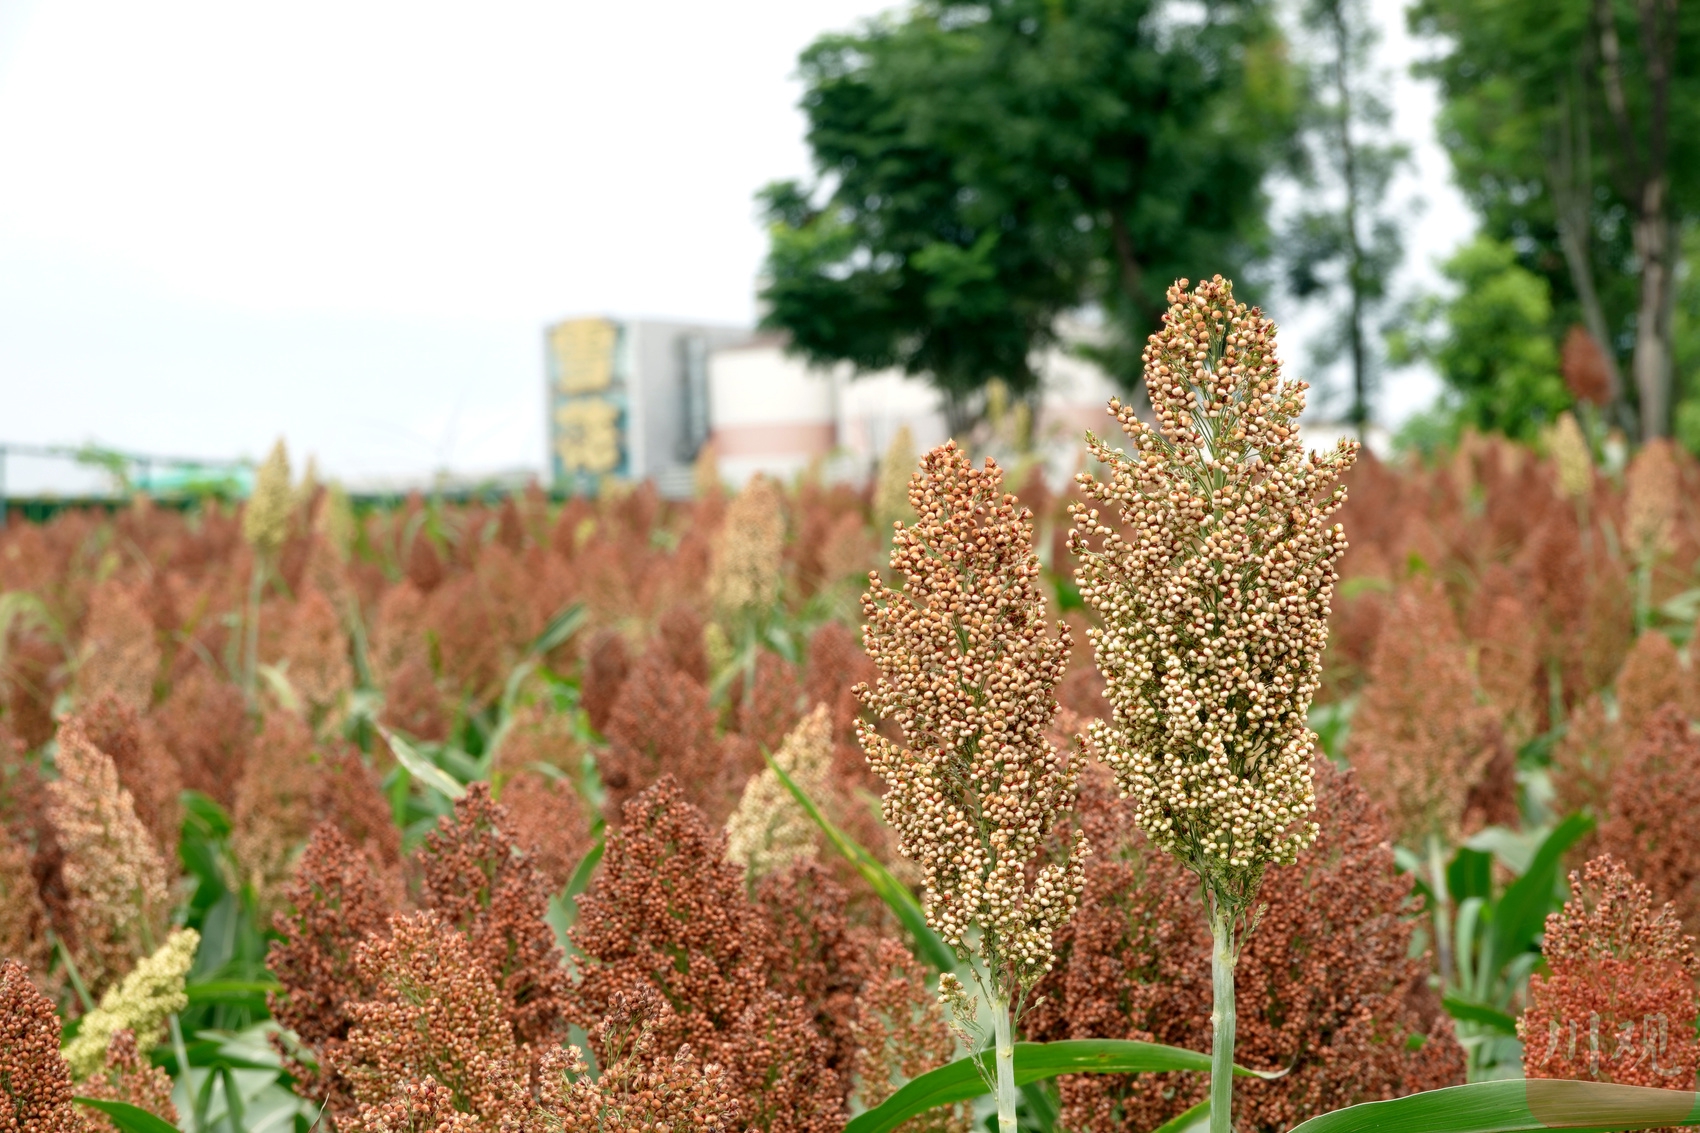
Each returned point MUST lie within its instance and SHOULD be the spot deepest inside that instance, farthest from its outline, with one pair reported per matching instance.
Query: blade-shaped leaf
(1513, 1106)
(421, 768)
(961, 1080)
(1522, 910)
(928, 946)
(1198, 1117)
(563, 625)
(580, 880)
(1468, 1012)
(128, 1118)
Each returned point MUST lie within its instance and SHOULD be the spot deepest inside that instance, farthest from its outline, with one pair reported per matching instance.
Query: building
(638, 399)
(628, 399)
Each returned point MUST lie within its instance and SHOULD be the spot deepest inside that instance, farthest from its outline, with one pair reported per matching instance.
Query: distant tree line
(984, 170)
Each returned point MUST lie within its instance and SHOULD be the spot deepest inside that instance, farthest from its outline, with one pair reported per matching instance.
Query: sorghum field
(491, 816)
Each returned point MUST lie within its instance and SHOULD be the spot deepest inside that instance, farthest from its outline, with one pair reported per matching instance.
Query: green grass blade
(929, 947)
(421, 768)
(128, 1118)
(568, 621)
(960, 1080)
(1514, 1106)
(1198, 1117)
(580, 880)
(1521, 912)
(1467, 1012)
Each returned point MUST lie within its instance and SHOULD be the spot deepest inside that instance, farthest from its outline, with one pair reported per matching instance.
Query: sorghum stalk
(976, 791)
(1224, 956)
(1442, 910)
(1212, 578)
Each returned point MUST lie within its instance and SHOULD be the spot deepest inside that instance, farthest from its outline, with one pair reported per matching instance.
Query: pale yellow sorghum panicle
(744, 573)
(891, 485)
(147, 997)
(265, 521)
(967, 670)
(1569, 451)
(1651, 491)
(1212, 573)
(334, 520)
(769, 830)
(115, 878)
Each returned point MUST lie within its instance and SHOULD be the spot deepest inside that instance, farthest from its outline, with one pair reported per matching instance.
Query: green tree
(1345, 242)
(984, 168)
(1565, 123)
(1492, 345)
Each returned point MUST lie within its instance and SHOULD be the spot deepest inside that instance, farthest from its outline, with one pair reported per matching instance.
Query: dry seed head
(265, 521)
(117, 881)
(1652, 489)
(744, 574)
(769, 830)
(967, 670)
(1212, 572)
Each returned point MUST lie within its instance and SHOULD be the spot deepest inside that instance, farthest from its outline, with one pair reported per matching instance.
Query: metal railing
(130, 471)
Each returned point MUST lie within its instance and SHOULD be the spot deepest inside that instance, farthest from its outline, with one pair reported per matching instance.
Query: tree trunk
(1654, 247)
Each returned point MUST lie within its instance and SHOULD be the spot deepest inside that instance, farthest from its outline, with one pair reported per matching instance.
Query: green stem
(193, 1115)
(1004, 1056)
(1224, 954)
(1442, 911)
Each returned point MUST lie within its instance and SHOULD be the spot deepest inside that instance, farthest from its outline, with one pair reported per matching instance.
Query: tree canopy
(985, 168)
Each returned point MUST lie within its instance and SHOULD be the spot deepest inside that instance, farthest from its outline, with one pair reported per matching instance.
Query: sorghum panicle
(967, 670)
(265, 520)
(1618, 1003)
(1212, 570)
(769, 830)
(116, 879)
(152, 992)
(35, 1083)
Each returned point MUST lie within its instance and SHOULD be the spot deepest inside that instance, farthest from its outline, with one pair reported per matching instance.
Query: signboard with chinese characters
(589, 403)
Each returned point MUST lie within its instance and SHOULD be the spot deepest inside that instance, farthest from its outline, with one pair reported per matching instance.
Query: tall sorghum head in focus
(743, 580)
(265, 521)
(35, 1083)
(975, 791)
(1618, 1002)
(967, 669)
(1212, 574)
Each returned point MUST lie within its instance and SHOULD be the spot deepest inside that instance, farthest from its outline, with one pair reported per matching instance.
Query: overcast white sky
(347, 222)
